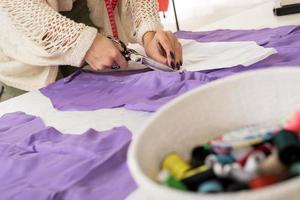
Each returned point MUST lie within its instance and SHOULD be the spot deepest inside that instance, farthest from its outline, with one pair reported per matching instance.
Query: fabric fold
(148, 90)
(39, 162)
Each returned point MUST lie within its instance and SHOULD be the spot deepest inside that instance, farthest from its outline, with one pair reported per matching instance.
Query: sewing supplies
(251, 158)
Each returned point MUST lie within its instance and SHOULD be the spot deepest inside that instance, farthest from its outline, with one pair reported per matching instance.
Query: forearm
(145, 17)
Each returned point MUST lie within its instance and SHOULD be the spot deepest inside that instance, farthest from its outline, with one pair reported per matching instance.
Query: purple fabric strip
(149, 90)
(38, 162)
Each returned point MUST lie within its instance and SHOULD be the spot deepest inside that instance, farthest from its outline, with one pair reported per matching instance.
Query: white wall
(193, 14)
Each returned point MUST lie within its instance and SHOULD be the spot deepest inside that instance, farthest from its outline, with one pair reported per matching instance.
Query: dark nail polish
(172, 55)
(162, 50)
(177, 66)
(181, 63)
(173, 65)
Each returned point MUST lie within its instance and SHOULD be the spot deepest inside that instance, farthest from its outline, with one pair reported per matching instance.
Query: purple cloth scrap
(148, 90)
(39, 162)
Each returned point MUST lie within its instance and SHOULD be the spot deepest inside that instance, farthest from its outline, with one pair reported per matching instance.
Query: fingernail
(172, 54)
(173, 65)
(178, 66)
(181, 63)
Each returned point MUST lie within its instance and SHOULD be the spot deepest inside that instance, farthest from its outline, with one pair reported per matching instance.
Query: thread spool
(263, 181)
(294, 123)
(193, 182)
(211, 186)
(165, 178)
(199, 154)
(194, 171)
(253, 162)
(175, 165)
(288, 147)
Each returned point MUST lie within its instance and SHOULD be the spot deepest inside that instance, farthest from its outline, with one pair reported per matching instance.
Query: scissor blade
(156, 65)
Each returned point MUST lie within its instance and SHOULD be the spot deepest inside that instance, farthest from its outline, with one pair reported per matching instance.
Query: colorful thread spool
(165, 178)
(240, 175)
(222, 159)
(175, 165)
(199, 154)
(211, 186)
(210, 160)
(194, 171)
(294, 123)
(263, 181)
(288, 147)
(253, 162)
(225, 159)
(264, 148)
(193, 182)
(225, 170)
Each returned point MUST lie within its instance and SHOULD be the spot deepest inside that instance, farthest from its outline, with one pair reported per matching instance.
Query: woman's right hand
(104, 54)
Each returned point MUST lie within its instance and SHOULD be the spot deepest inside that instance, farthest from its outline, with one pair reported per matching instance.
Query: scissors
(129, 54)
(133, 55)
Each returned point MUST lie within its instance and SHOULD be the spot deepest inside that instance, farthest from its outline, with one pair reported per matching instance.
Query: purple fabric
(149, 90)
(38, 162)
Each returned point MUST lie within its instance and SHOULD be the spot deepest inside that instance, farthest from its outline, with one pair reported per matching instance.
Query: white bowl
(261, 96)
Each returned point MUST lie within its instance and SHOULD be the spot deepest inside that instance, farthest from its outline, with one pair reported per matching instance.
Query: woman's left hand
(164, 47)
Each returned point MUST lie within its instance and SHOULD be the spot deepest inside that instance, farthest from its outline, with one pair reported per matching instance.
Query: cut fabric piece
(199, 56)
(214, 55)
(38, 162)
(149, 90)
(110, 90)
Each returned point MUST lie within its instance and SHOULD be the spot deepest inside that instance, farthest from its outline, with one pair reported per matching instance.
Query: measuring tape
(110, 6)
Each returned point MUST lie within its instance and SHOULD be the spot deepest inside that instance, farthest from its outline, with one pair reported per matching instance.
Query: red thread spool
(294, 123)
(265, 148)
(262, 181)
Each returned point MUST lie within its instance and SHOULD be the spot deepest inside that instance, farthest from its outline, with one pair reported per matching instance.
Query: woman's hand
(104, 54)
(164, 47)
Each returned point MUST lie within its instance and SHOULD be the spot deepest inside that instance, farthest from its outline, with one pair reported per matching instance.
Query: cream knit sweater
(35, 38)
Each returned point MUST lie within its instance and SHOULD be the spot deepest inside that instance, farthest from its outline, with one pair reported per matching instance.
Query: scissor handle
(125, 52)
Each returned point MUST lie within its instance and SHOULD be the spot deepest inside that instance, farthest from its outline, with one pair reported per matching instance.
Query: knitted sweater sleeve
(145, 17)
(32, 32)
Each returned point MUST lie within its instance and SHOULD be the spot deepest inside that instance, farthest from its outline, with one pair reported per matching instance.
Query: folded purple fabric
(38, 162)
(148, 90)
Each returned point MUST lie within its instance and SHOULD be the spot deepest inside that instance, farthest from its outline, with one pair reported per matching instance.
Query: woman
(35, 38)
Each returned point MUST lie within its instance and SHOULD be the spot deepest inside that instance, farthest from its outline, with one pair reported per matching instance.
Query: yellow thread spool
(175, 165)
(194, 171)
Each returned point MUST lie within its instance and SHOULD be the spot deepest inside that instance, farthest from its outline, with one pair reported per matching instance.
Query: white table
(77, 122)
(260, 16)
(73, 122)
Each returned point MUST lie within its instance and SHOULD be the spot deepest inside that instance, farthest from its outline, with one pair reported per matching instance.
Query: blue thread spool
(225, 159)
(212, 186)
(222, 159)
